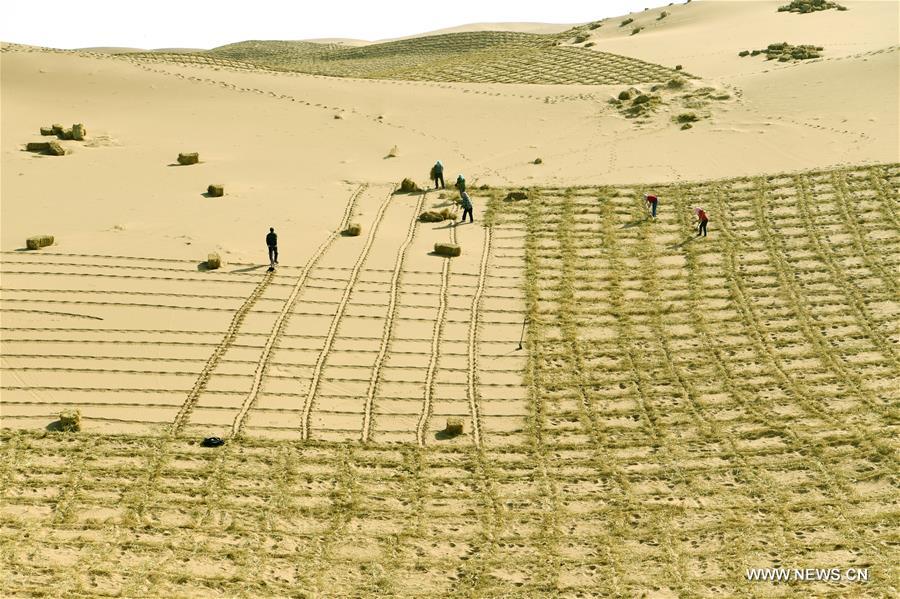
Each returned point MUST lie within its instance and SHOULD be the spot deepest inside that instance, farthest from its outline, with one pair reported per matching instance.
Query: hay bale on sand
(47, 131)
(38, 146)
(516, 195)
(56, 128)
(213, 261)
(70, 420)
(54, 149)
(353, 230)
(38, 241)
(216, 190)
(447, 249)
(454, 427)
(188, 158)
(78, 132)
(433, 216)
(66, 134)
(409, 186)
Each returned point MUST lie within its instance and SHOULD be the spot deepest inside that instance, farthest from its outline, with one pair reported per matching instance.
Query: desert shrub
(188, 158)
(641, 99)
(808, 6)
(755, 52)
(581, 38)
(662, 16)
(624, 95)
(353, 230)
(47, 131)
(213, 261)
(784, 52)
(409, 186)
(677, 67)
(216, 190)
(393, 152)
(676, 83)
(589, 44)
(636, 30)
(687, 117)
(595, 25)
(627, 21)
(538, 161)
(516, 195)
(54, 149)
(686, 126)
(743, 53)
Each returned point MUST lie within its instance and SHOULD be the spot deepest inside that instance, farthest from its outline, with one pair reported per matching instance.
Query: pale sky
(208, 23)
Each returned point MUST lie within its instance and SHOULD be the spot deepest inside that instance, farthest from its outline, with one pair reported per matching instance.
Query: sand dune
(644, 412)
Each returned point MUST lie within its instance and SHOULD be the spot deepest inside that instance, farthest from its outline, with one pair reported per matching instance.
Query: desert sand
(679, 409)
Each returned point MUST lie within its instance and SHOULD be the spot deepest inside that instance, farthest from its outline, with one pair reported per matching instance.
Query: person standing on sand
(652, 201)
(437, 174)
(702, 219)
(466, 203)
(272, 243)
(460, 184)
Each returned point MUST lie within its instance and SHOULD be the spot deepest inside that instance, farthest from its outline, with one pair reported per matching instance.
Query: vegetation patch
(807, 6)
(784, 52)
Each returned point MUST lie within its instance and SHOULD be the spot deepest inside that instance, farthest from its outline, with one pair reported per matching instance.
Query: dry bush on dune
(807, 6)
(687, 117)
(213, 261)
(636, 30)
(784, 52)
(627, 21)
(538, 161)
(353, 230)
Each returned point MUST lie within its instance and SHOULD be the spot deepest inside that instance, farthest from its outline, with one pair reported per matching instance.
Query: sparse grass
(476, 57)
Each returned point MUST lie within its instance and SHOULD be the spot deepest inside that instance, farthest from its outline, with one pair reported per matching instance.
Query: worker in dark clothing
(437, 174)
(460, 183)
(272, 242)
(702, 219)
(466, 203)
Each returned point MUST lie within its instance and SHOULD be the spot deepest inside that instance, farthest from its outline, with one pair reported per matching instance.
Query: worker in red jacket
(652, 201)
(702, 219)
